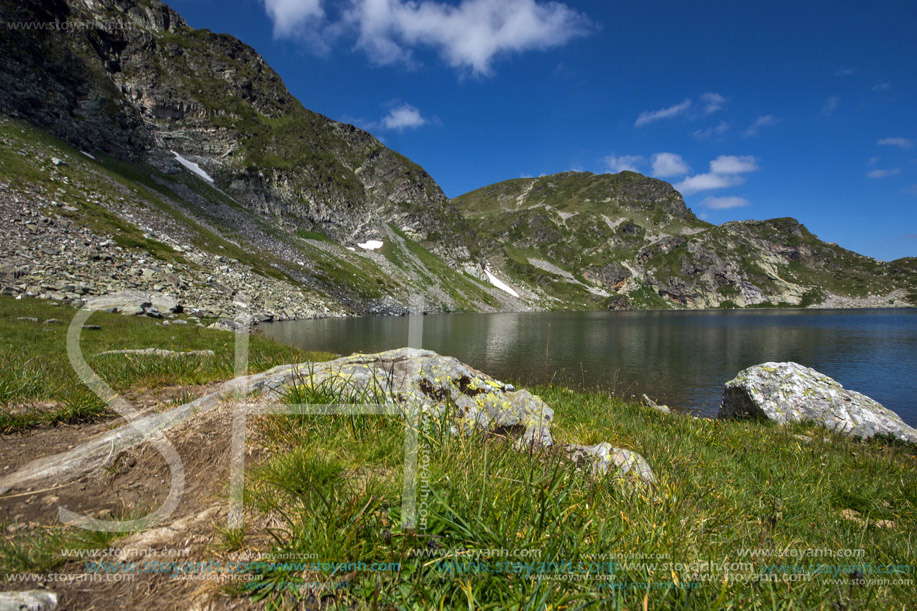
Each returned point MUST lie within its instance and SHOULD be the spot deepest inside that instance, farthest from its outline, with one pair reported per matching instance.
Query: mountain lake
(679, 358)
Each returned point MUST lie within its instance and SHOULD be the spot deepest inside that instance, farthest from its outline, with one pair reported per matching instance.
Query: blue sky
(752, 109)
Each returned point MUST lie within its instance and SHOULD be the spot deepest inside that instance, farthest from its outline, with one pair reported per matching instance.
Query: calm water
(678, 358)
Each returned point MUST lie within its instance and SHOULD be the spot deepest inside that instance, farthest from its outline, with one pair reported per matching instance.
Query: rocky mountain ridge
(626, 241)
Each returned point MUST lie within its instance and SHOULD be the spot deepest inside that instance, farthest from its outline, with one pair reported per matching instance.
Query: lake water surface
(679, 358)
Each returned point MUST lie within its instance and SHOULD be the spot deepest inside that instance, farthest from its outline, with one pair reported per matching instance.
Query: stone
(603, 458)
(659, 408)
(28, 600)
(125, 302)
(790, 392)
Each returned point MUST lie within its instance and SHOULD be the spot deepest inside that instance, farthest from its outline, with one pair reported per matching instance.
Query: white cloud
(883, 173)
(648, 116)
(707, 182)
(724, 203)
(912, 190)
(881, 86)
(872, 161)
(403, 117)
(624, 162)
(705, 134)
(725, 171)
(713, 102)
(669, 164)
(844, 71)
(733, 164)
(831, 105)
(901, 143)
(290, 16)
(468, 35)
(762, 121)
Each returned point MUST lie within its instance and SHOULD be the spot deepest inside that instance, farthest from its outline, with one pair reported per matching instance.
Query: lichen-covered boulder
(424, 381)
(602, 458)
(790, 392)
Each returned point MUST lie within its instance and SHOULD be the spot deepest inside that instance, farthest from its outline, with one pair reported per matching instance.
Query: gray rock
(28, 600)
(437, 385)
(790, 392)
(125, 302)
(602, 458)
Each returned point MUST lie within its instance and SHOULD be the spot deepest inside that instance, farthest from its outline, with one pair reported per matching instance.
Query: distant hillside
(626, 241)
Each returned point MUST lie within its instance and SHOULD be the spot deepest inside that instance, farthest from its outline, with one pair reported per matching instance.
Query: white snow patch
(88, 155)
(193, 167)
(351, 248)
(500, 284)
(371, 245)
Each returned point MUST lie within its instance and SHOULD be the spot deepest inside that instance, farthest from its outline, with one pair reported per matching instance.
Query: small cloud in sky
(872, 161)
(912, 190)
(732, 164)
(724, 203)
(725, 171)
(881, 86)
(883, 173)
(844, 71)
(762, 121)
(830, 105)
(901, 143)
(400, 117)
(403, 117)
(621, 163)
(468, 35)
(649, 116)
(713, 102)
(669, 164)
(705, 134)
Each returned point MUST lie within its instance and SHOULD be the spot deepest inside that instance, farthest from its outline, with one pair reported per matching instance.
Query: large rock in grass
(790, 392)
(439, 386)
(463, 398)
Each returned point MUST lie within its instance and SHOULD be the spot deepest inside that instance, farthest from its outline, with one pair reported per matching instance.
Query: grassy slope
(38, 385)
(723, 487)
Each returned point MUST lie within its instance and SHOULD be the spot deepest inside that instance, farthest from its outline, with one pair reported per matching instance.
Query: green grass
(38, 384)
(723, 488)
(42, 550)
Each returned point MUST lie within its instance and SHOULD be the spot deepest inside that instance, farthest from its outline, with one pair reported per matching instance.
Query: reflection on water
(679, 358)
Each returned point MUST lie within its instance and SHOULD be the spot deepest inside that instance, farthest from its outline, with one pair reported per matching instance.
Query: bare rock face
(790, 392)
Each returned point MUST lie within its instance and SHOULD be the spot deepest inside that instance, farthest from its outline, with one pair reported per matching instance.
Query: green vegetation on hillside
(38, 384)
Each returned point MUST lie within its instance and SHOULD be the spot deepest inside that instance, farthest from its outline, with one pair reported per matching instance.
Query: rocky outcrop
(790, 392)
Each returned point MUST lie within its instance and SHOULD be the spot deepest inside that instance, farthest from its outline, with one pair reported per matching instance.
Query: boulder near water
(790, 392)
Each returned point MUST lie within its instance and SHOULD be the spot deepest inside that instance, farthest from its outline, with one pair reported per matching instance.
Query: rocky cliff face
(141, 84)
(627, 241)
